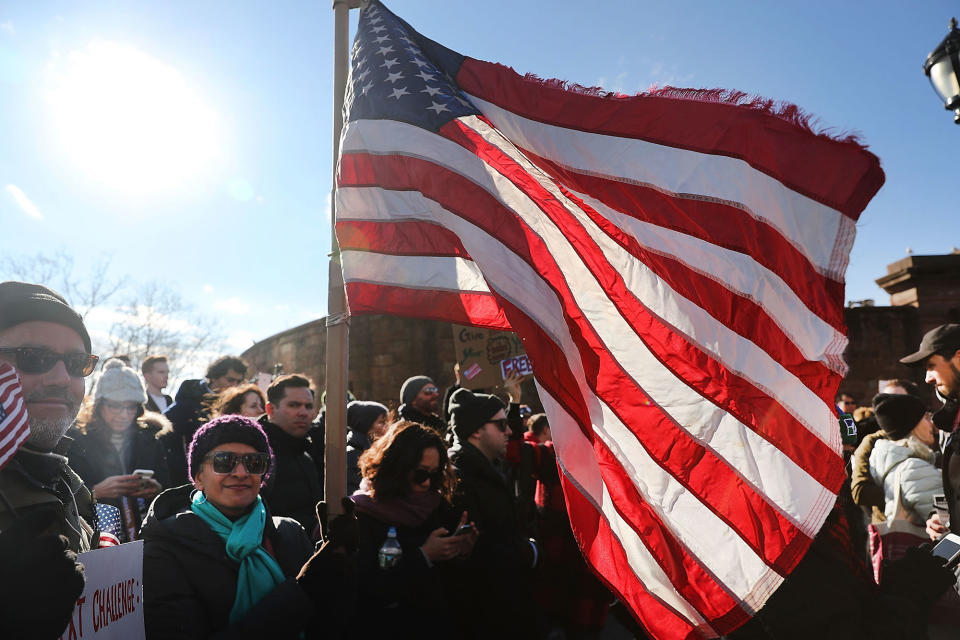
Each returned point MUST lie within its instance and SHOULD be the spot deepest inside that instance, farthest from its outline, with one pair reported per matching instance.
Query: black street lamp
(943, 69)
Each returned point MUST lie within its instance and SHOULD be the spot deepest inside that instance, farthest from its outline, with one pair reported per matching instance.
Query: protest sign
(480, 353)
(111, 605)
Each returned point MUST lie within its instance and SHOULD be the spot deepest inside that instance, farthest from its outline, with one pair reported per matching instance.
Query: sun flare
(130, 121)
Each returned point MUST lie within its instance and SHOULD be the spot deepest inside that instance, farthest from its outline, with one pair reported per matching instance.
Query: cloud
(208, 288)
(231, 305)
(25, 204)
(7, 27)
(240, 340)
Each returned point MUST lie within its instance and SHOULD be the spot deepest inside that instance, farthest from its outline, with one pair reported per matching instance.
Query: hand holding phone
(949, 549)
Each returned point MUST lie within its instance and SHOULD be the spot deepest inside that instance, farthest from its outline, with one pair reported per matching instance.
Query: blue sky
(210, 168)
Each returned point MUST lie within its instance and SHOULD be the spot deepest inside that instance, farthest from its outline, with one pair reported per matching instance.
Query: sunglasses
(37, 360)
(500, 424)
(224, 462)
(129, 407)
(422, 475)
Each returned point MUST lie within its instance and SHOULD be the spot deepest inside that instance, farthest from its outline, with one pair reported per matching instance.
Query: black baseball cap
(946, 337)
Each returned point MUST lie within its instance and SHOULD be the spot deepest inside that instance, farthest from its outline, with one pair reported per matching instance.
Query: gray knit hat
(119, 383)
(412, 387)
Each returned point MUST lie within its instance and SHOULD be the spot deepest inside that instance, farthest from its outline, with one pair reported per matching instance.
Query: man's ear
(270, 409)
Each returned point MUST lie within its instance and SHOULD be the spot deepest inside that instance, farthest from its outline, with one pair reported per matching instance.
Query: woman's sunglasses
(422, 475)
(224, 462)
(36, 360)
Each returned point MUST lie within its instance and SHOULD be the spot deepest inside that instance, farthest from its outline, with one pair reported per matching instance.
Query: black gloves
(918, 576)
(42, 578)
(342, 531)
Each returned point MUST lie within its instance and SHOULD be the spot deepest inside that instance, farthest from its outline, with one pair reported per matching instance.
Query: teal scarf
(259, 572)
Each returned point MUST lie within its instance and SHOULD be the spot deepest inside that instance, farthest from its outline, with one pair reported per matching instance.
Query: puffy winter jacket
(910, 462)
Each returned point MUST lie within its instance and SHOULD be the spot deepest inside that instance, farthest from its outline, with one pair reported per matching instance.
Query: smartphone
(949, 549)
(943, 510)
(467, 528)
(143, 473)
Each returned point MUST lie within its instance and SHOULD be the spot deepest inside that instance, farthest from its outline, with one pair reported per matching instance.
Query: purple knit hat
(228, 428)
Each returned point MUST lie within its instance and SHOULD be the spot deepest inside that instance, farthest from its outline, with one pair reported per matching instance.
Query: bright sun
(130, 121)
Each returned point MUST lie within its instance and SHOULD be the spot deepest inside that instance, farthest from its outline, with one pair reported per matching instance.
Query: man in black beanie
(420, 401)
(497, 580)
(45, 510)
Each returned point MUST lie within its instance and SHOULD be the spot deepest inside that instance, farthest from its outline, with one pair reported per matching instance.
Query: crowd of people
(455, 524)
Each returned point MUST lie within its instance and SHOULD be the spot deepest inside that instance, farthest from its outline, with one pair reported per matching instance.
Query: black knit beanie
(362, 414)
(897, 414)
(228, 428)
(23, 302)
(412, 386)
(469, 411)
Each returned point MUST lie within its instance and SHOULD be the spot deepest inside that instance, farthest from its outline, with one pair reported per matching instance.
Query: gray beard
(45, 434)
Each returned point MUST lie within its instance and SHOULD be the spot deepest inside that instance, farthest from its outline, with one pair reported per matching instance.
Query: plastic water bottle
(390, 552)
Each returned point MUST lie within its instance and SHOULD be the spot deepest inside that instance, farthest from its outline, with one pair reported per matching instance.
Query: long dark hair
(387, 464)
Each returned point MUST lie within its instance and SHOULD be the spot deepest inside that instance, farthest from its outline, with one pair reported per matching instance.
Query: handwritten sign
(480, 353)
(111, 605)
(519, 365)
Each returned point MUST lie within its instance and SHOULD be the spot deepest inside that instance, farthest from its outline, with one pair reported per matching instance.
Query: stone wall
(879, 337)
(384, 351)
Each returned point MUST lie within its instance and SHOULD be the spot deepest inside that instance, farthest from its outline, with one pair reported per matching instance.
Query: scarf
(409, 511)
(259, 572)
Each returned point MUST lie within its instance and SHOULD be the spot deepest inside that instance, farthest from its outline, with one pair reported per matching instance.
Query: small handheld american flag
(14, 426)
(110, 525)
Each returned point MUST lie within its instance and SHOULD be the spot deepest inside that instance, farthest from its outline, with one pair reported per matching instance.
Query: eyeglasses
(430, 390)
(224, 462)
(422, 475)
(500, 424)
(129, 407)
(37, 360)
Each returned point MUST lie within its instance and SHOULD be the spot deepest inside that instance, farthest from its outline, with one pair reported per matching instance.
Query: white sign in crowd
(111, 605)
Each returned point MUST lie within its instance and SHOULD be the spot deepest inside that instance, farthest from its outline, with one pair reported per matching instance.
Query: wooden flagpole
(338, 329)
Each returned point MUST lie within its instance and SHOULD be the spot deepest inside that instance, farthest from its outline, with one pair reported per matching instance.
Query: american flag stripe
(768, 418)
(718, 223)
(14, 425)
(587, 241)
(690, 174)
(674, 268)
(839, 176)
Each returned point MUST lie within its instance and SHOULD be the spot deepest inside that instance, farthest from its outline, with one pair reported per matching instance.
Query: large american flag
(673, 263)
(14, 427)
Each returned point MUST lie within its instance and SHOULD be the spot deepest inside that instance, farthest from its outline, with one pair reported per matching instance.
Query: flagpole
(338, 329)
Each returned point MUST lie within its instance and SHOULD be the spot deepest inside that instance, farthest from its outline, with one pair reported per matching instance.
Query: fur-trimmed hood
(155, 422)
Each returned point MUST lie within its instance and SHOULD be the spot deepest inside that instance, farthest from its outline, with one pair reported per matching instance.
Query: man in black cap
(939, 352)
(498, 572)
(420, 400)
(45, 509)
